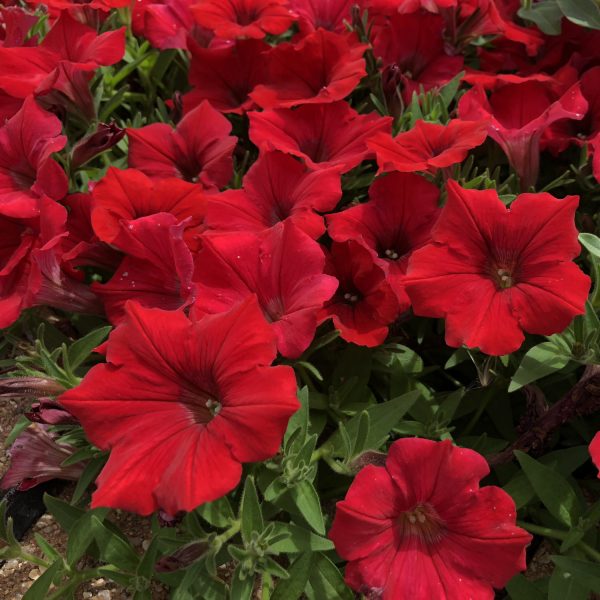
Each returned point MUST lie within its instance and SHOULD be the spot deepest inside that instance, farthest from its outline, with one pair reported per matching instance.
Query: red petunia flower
(595, 451)
(167, 23)
(395, 221)
(365, 303)
(493, 272)
(518, 115)
(156, 271)
(323, 135)
(15, 24)
(128, 195)
(427, 146)
(278, 187)
(422, 528)
(198, 149)
(61, 5)
(80, 45)
(187, 403)
(412, 49)
(31, 271)
(27, 141)
(226, 76)
(322, 67)
(23, 69)
(66, 90)
(282, 266)
(330, 15)
(82, 248)
(254, 19)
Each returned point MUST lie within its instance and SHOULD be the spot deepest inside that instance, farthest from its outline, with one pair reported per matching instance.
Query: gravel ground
(16, 576)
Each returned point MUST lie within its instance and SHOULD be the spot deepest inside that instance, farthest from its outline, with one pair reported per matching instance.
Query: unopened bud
(104, 138)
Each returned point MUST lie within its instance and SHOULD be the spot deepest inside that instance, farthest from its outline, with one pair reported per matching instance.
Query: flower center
(351, 298)
(391, 254)
(504, 278)
(422, 521)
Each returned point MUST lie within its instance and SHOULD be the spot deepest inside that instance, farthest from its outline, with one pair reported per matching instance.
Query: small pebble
(34, 574)
(98, 582)
(104, 595)
(87, 594)
(146, 544)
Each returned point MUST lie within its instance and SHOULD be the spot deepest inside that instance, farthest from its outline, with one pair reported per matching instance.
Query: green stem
(228, 534)
(36, 560)
(559, 535)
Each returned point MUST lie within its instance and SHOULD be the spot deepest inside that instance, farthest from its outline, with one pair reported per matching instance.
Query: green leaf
(448, 92)
(587, 574)
(563, 461)
(298, 539)
(49, 551)
(114, 549)
(91, 471)
(81, 536)
(40, 587)
(591, 243)
(552, 488)
(217, 513)
(326, 581)
(300, 419)
(546, 15)
(585, 13)
(241, 588)
(362, 434)
(305, 497)
(520, 588)
(563, 586)
(81, 349)
(541, 360)
(250, 511)
(383, 417)
(65, 514)
(293, 587)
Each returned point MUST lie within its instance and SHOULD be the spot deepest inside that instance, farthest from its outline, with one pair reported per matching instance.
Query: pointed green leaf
(250, 511)
(552, 488)
(541, 360)
(305, 497)
(293, 587)
(40, 587)
(81, 349)
(587, 573)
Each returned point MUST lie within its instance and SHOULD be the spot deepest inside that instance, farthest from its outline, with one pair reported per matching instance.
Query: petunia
(365, 303)
(494, 272)
(226, 76)
(15, 24)
(128, 195)
(517, 116)
(411, 47)
(31, 272)
(278, 187)
(322, 67)
(283, 267)
(187, 402)
(397, 219)
(331, 15)
(166, 23)
(254, 19)
(323, 135)
(27, 169)
(421, 527)
(156, 270)
(198, 149)
(427, 146)
(23, 69)
(61, 5)
(595, 451)
(80, 45)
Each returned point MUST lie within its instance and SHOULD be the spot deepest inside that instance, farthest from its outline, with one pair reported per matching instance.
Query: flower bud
(104, 138)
